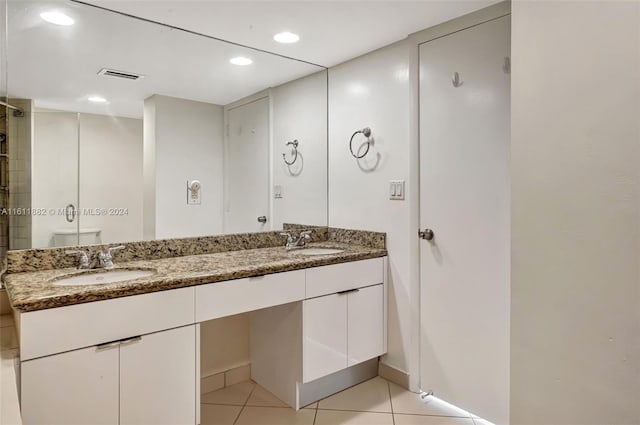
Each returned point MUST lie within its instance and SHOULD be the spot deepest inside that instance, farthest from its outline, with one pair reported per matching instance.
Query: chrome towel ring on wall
(367, 133)
(295, 152)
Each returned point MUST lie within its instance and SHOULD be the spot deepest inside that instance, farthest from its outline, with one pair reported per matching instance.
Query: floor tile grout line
(245, 404)
(393, 415)
(315, 416)
(359, 411)
(220, 404)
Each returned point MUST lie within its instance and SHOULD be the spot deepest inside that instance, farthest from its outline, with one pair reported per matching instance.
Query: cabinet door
(365, 318)
(324, 336)
(78, 387)
(158, 378)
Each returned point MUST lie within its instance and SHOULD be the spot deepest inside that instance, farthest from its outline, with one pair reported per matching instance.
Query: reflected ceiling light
(240, 60)
(57, 18)
(97, 99)
(286, 37)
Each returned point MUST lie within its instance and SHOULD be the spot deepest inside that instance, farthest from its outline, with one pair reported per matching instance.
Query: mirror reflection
(128, 130)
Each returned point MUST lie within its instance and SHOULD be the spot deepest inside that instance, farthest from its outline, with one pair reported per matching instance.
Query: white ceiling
(57, 66)
(330, 32)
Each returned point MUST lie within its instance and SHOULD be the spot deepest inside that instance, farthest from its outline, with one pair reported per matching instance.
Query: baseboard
(394, 375)
(227, 378)
(323, 387)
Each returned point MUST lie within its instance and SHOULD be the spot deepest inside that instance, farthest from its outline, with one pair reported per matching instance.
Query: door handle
(107, 345)
(262, 219)
(131, 340)
(70, 213)
(426, 234)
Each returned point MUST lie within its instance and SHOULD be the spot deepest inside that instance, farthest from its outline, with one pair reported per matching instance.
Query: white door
(158, 378)
(78, 387)
(464, 200)
(246, 167)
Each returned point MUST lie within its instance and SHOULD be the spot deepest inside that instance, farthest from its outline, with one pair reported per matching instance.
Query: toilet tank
(73, 237)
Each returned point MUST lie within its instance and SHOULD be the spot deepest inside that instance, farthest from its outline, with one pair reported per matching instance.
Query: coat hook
(295, 152)
(456, 80)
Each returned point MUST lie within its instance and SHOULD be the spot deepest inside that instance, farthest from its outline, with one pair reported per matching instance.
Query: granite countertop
(31, 291)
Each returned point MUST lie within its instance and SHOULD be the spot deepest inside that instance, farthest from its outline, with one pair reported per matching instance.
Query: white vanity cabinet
(341, 323)
(158, 378)
(141, 380)
(129, 360)
(342, 330)
(77, 388)
(135, 359)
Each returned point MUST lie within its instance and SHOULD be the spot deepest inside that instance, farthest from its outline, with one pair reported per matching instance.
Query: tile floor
(374, 402)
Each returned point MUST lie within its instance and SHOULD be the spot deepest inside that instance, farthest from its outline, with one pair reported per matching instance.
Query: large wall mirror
(129, 130)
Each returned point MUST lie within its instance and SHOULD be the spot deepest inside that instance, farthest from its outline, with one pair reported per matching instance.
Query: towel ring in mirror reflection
(295, 152)
(367, 133)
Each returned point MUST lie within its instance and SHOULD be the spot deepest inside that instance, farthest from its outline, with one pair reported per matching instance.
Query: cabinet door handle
(131, 340)
(107, 345)
(348, 291)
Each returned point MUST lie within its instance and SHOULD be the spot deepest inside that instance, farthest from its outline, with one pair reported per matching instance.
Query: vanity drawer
(342, 277)
(230, 297)
(55, 330)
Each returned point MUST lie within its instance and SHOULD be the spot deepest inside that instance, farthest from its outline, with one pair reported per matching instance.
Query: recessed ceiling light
(57, 18)
(286, 37)
(97, 99)
(240, 60)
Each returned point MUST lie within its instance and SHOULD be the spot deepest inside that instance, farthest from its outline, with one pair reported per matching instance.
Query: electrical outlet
(194, 192)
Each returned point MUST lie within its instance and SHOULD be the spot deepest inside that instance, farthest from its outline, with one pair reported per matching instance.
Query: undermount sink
(317, 251)
(102, 277)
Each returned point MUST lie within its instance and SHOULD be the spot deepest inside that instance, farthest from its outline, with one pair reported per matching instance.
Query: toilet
(72, 237)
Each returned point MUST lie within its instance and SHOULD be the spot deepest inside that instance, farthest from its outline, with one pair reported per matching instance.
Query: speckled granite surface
(31, 260)
(358, 237)
(28, 260)
(34, 290)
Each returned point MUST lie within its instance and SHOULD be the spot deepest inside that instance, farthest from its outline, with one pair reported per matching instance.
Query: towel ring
(367, 133)
(295, 152)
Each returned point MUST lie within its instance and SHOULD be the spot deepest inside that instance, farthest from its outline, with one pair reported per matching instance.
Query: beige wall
(575, 316)
(224, 344)
(299, 110)
(374, 90)
(183, 142)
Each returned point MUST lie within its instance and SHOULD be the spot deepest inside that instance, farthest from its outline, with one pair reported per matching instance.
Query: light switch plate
(396, 190)
(277, 191)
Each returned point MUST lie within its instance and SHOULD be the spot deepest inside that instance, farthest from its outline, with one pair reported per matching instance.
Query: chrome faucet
(83, 257)
(102, 259)
(293, 243)
(105, 258)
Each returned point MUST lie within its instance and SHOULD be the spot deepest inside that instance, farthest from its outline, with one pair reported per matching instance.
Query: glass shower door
(54, 186)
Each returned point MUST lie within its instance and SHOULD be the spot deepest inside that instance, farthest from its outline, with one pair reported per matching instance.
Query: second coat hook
(295, 152)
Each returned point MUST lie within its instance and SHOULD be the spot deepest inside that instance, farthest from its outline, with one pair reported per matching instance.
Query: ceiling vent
(120, 74)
